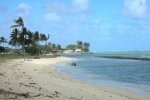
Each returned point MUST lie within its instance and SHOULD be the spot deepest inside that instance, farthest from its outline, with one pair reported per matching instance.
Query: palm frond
(15, 26)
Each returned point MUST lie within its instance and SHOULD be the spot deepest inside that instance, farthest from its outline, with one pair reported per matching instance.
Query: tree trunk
(23, 45)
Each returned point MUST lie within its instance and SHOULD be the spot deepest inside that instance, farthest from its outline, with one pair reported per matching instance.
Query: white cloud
(136, 8)
(24, 9)
(81, 5)
(52, 17)
(55, 11)
(56, 7)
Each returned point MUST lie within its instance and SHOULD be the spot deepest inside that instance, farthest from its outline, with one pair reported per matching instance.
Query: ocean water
(132, 75)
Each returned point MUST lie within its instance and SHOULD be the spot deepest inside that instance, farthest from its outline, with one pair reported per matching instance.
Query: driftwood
(76, 98)
(6, 92)
(32, 83)
(1, 74)
(16, 94)
(24, 85)
(49, 96)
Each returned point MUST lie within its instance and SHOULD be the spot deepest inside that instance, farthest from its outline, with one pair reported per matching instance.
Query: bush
(2, 49)
(32, 50)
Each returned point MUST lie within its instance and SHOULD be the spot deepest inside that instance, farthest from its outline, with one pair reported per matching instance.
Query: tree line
(29, 41)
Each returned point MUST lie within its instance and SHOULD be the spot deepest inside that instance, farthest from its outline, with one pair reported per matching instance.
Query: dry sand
(36, 79)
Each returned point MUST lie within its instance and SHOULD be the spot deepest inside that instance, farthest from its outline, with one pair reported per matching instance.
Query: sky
(108, 25)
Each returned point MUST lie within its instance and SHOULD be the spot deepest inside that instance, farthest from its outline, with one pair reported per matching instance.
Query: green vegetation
(71, 47)
(29, 44)
(17, 56)
(29, 41)
(26, 42)
(2, 41)
(84, 46)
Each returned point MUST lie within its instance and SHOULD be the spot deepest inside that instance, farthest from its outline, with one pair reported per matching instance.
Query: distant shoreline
(123, 57)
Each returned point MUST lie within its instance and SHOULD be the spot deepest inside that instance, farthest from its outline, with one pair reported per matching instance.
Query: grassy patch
(10, 56)
(17, 56)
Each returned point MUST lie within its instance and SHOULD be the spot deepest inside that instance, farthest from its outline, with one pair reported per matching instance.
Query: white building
(78, 51)
(68, 51)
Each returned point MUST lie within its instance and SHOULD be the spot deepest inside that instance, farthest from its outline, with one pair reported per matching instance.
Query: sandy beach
(37, 79)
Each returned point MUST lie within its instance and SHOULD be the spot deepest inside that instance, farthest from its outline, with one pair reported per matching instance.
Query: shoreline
(38, 79)
(64, 71)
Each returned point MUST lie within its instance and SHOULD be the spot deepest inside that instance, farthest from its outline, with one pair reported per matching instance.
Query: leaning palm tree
(19, 23)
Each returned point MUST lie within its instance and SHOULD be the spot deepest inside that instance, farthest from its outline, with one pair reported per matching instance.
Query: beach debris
(74, 98)
(23, 72)
(5, 92)
(37, 95)
(10, 88)
(32, 83)
(36, 57)
(40, 88)
(24, 84)
(49, 96)
(1, 74)
(30, 78)
(57, 92)
(15, 95)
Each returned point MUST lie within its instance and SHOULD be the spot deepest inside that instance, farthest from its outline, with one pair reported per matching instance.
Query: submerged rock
(73, 64)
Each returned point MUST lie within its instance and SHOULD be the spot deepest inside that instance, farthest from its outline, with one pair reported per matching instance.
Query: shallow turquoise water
(132, 75)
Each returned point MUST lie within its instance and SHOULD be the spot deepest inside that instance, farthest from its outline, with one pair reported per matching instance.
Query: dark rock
(73, 64)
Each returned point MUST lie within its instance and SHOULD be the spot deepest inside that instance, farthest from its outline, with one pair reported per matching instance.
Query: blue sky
(108, 25)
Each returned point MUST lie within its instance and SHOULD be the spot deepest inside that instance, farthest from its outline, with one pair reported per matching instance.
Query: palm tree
(80, 44)
(19, 23)
(54, 46)
(59, 47)
(36, 38)
(43, 37)
(86, 47)
(29, 39)
(49, 43)
(47, 38)
(14, 38)
(3, 40)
